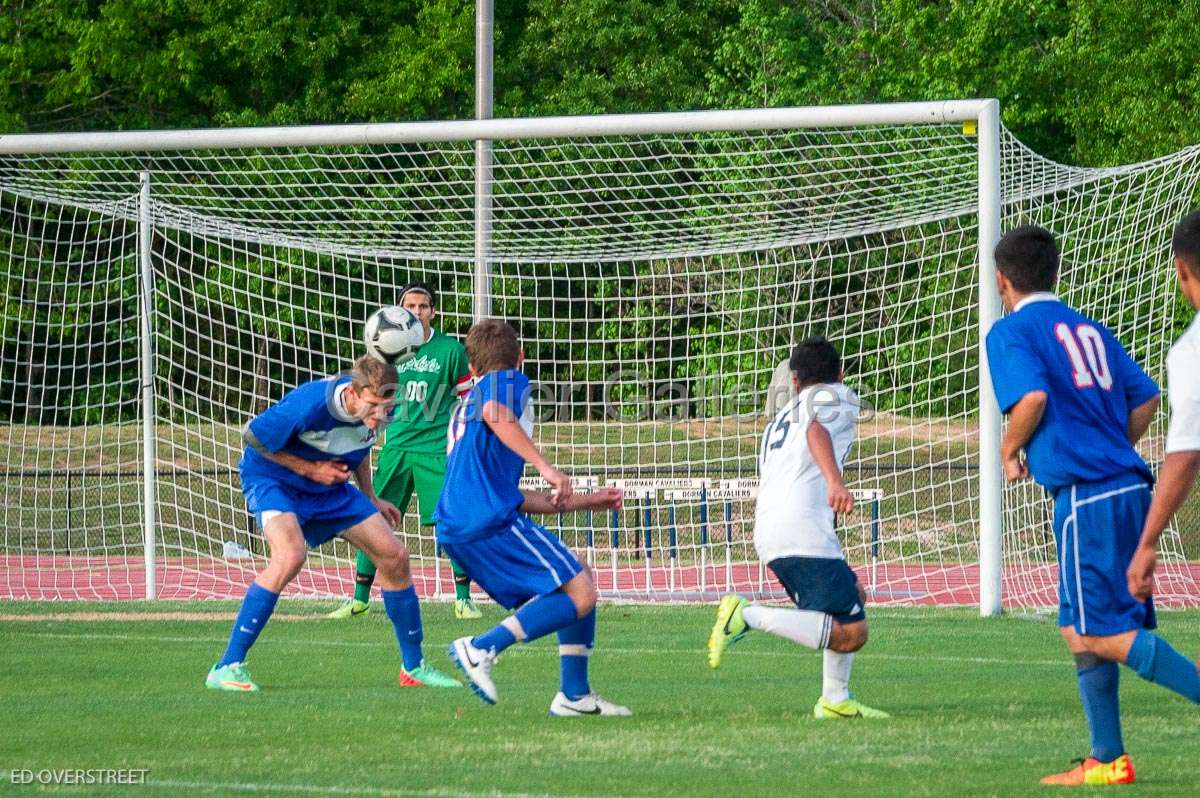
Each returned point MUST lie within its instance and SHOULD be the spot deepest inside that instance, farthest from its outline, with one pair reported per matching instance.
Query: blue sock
(547, 614)
(575, 666)
(1099, 680)
(256, 610)
(538, 618)
(404, 611)
(497, 638)
(1155, 661)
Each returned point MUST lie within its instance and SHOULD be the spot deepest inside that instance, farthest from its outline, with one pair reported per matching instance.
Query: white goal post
(164, 285)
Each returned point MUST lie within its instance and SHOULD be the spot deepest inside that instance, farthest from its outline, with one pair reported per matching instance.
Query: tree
(1134, 82)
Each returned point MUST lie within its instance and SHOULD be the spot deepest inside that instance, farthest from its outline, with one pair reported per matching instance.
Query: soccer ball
(393, 335)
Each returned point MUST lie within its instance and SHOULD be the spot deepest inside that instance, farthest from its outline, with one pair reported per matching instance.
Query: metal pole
(483, 161)
(991, 474)
(474, 129)
(874, 544)
(149, 455)
(70, 519)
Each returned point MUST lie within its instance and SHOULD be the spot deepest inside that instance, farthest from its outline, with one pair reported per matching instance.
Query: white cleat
(590, 704)
(476, 665)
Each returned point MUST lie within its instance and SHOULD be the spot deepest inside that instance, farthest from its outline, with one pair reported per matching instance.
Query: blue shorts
(823, 584)
(1097, 526)
(515, 565)
(321, 515)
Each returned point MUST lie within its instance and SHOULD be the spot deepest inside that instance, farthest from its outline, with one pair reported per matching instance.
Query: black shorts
(821, 584)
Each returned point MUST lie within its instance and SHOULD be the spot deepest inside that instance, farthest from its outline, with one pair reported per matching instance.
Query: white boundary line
(636, 652)
(225, 787)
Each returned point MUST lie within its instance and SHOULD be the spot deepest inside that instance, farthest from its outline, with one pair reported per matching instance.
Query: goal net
(656, 280)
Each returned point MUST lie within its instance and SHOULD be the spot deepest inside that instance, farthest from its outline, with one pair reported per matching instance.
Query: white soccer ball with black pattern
(393, 335)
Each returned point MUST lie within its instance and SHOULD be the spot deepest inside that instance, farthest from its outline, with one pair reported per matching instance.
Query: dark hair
(814, 361)
(1028, 257)
(1186, 242)
(418, 286)
(492, 345)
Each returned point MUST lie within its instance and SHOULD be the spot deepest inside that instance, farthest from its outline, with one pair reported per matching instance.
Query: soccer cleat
(351, 609)
(476, 664)
(465, 610)
(845, 709)
(1093, 771)
(729, 628)
(590, 704)
(232, 677)
(426, 676)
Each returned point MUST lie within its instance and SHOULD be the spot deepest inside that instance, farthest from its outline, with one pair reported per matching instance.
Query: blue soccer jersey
(1091, 384)
(481, 495)
(312, 423)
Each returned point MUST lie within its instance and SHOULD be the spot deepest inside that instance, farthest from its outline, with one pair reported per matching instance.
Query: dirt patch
(95, 617)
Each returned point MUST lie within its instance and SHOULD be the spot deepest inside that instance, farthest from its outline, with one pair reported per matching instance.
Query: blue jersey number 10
(1085, 349)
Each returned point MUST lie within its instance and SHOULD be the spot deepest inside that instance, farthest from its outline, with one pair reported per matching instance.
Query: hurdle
(646, 491)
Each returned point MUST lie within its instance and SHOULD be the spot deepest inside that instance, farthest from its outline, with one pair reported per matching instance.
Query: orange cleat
(426, 676)
(1093, 771)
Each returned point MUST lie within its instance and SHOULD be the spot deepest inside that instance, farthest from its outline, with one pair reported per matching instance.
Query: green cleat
(465, 610)
(351, 609)
(729, 628)
(846, 709)
(232, 677)
(426, 676)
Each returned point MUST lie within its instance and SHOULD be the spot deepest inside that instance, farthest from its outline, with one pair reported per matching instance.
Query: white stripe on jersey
(557, 579)
(339, 440)
(792, 517)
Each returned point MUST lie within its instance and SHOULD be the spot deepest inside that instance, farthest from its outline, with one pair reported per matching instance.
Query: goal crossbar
(915, 113)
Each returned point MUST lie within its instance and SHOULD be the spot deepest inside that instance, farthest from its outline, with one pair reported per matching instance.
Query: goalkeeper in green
(414, 446)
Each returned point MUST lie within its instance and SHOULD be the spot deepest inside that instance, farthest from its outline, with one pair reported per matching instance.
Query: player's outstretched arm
(507, 428)
(820, 444)
(389, 511)
(602, 499)
(1140, 418)
(1175, 481)
(323, 472)
(1023, 420)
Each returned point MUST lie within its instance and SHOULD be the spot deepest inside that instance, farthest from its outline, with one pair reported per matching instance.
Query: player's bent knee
(287, 556)
(848, 638)
(393, 563)
(582, 591)
(285, 562)
(1110, 647)
(292, 561)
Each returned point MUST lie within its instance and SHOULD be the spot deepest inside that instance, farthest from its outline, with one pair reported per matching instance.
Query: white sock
(806, 627)
(835, 686)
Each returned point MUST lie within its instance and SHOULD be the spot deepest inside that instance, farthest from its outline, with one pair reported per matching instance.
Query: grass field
(981, 707)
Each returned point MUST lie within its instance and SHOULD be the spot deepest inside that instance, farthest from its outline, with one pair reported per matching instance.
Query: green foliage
(145, 63)
(70, 318)
(599, 56)
(1135, 86)
(1094, 82)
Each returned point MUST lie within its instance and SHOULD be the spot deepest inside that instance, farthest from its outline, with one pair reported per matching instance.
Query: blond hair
(380, 377)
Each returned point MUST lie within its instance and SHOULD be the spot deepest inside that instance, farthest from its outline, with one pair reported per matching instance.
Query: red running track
(119, 579)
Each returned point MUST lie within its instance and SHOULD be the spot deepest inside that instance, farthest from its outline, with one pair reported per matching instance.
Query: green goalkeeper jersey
(428, 388)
